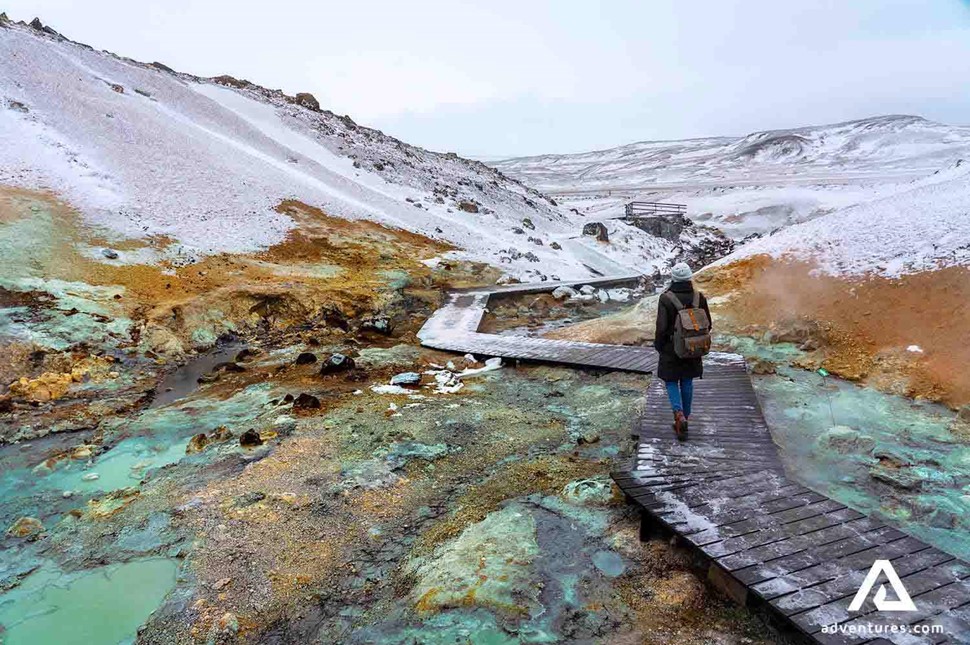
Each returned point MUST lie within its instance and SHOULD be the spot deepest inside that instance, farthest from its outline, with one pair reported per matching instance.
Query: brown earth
(861, 325)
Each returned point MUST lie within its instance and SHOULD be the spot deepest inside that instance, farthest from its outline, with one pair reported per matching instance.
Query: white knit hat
(681, 272)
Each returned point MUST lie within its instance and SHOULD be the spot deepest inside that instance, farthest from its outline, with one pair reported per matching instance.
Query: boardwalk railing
(644, 209)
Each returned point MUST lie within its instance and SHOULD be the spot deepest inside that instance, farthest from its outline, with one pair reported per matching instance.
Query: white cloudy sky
(502, 77)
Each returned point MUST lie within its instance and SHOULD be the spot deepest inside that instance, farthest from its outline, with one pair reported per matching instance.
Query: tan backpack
(692, 327)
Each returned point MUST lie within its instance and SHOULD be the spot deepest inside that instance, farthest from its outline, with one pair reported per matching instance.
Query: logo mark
(903, 602)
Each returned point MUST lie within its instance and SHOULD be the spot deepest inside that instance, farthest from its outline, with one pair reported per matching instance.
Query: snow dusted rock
(406, 379)
(597, 230)
(603, 295)
(564, 293)
(619, 295)
(587, 290)
(308, 101)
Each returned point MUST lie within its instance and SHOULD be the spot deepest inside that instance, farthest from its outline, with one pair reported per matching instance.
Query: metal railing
(641, 209)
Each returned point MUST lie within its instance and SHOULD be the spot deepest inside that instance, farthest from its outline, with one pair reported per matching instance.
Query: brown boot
(679, 425)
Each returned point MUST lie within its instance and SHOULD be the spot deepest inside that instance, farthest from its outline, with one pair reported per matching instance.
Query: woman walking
(681, 344)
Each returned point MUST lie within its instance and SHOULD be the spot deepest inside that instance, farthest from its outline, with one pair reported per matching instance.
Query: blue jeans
(681, 394)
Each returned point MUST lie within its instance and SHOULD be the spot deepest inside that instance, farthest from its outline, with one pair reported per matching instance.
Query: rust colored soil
(863, 325)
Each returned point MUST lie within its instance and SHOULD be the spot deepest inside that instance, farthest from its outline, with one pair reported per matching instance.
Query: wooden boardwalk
(454, 328)
(769, 541)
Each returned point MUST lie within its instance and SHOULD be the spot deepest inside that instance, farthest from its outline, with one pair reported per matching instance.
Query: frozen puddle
(104, 605)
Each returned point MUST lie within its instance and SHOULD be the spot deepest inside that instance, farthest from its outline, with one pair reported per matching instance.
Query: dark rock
(406, 379)
(250, 439)
(307, 100)
(517, 230)
(231, 81)
(6, 405)
(37, 24)
(555, 246)
(535, 241)
(229, 366)
(143, 93)
(306, 402)
(111, 254)
(17, 106)
(207, 378)
(337, 363)
(378, 166)
(120, 89)
(246, 354)
(597, 230)
(163, 67)
(528, 224)
(468, 207)
(306, 358)
(288, 398)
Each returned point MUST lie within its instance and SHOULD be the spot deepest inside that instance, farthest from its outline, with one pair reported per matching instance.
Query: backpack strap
(674, 300)
(697, 299)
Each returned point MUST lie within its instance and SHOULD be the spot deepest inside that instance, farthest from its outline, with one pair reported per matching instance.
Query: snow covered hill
(757, 183)
(923, 228)
(142, 150)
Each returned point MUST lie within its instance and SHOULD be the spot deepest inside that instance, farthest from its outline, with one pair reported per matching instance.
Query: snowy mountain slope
(884, 147)
(923, 228)
(142, 150)
(757, 183)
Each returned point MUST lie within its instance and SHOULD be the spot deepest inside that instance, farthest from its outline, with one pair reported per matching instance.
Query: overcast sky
(501, 78)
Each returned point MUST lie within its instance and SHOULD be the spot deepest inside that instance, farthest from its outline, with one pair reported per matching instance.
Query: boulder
(306, 358)
(197, 444)
(597, 230)
(555, 246)
(587, 290)
(468, 207)
(26, 527)
(307, 100)
(337, 363)
(527, 223)
(250, 439)
(111, 254)
(306, 402)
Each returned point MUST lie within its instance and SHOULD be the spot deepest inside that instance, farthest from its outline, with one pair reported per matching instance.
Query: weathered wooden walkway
(454, 328)
(769, 542)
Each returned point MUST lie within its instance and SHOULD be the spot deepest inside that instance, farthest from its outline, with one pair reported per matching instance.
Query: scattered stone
(82, 452)
(197, 444)
(117, 88)
(221, 583)
(90, 477)
(68, 494)
(597, 230)
(468, 207)
(406, 379)
(248, 499)
(378, 324)
(306, 402)
(229, 366)
(528, 224)
(17, 106)
(306, 358)
(587, 290)
(250, 439)
(208, 378)
(588, 436)
(26, 527)
(517, 231)
(555, 246)
(337, 363)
